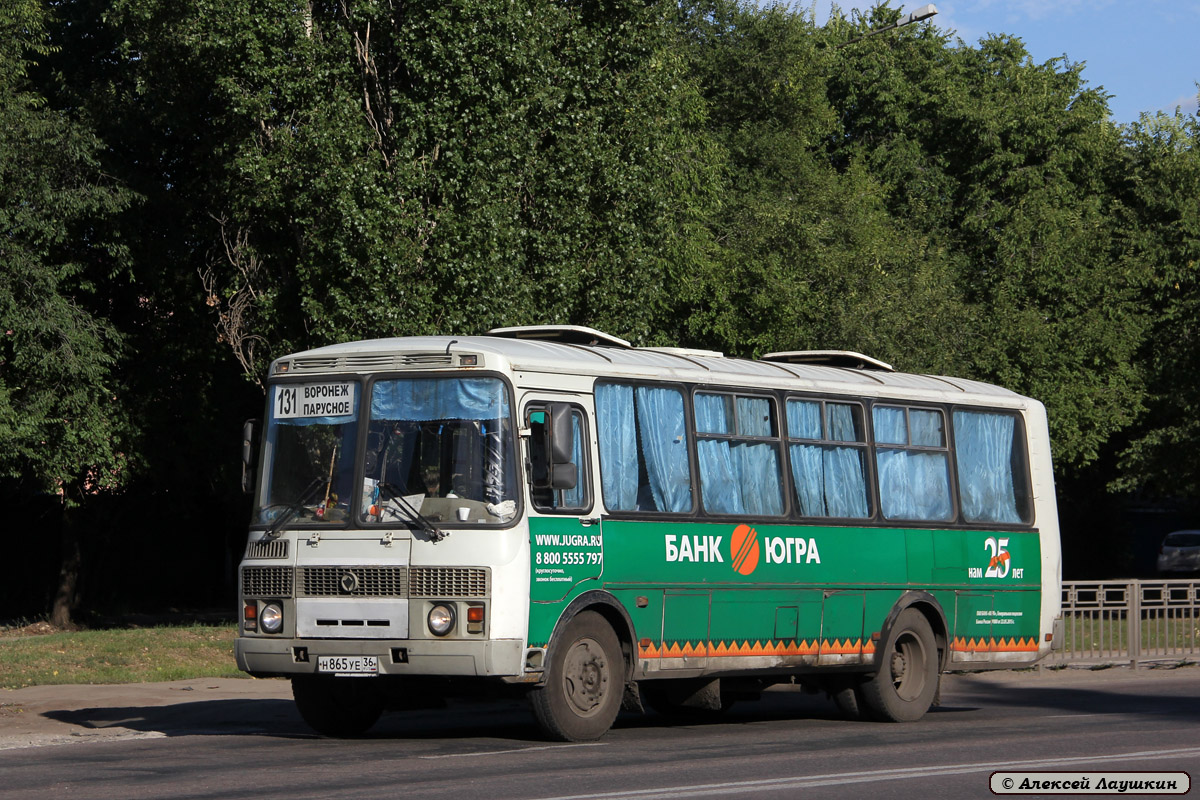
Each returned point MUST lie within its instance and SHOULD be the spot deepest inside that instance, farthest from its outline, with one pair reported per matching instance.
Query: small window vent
(314, 364)
(425, 360)
(267, 548)
(377, 361)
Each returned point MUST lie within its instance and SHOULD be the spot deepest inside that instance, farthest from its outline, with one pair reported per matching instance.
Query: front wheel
(339, 707)
(584, 682)
(906, 683)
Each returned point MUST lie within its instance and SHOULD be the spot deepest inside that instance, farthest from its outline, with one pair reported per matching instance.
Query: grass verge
(119, 655)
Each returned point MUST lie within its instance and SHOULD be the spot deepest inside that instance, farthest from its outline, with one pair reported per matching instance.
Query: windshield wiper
(394, 493)
(295, 507)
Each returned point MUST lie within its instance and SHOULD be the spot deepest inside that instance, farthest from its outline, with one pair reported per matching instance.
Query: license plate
(349, 665)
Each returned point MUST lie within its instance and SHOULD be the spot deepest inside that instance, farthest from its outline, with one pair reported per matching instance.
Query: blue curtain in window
(890, 425)
(718, 477)
(756, 465)
(756, 469)
(845, 483)
(754, 416)
(829, 481)
(841, 423)
(804, 419)
(984, 445)
(664, 446)
(914, 485)
(808, 476)
(618, 446)
(926, 428)
(428, 399)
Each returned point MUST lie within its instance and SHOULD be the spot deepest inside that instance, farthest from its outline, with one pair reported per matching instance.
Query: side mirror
(554, 456)
(561, 439)
(565, 476)
(249, 450)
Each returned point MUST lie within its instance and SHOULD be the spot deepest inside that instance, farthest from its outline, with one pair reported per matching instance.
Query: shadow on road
(510, 719)
(1083, 700)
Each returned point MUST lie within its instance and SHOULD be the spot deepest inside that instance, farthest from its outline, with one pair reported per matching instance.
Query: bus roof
(830, 371)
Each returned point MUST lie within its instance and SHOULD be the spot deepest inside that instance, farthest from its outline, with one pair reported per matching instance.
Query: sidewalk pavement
(72, 713)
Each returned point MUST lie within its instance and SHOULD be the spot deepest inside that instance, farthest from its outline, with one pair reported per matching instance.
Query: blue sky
(1146, 54)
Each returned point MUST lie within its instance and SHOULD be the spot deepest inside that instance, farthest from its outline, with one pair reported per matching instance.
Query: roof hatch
(831, 358)
(564, 334)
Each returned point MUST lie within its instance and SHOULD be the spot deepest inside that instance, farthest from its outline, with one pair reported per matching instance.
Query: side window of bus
(737, 447)
(913, 462)
(578, 498)
(643, 448)
(993, 467)
(827, 444)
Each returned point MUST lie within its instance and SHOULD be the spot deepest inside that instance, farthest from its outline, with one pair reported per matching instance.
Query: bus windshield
(441, 448)
(312, 430)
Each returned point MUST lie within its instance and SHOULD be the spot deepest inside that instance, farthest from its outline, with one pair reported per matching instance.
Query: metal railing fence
(1129, 622)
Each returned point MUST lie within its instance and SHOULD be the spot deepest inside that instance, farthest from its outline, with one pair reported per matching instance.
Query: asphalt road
(244, 739)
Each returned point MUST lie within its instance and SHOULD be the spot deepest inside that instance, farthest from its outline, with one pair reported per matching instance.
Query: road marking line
(517, 750)
(835, 779)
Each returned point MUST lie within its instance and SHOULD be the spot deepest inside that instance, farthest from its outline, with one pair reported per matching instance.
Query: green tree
(366, 169)
(811, 257)
(64, 426)
(1009, 165)
(1161, 194)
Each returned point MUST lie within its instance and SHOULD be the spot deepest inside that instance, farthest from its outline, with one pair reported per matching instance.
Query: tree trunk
(66, 597)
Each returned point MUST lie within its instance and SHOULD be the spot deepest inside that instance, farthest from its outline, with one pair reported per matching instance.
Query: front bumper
(266, 657)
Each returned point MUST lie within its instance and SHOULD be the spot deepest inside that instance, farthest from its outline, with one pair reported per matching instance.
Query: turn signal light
(475, 619)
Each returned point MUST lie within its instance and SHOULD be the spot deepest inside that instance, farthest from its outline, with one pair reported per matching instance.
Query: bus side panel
(995, 614)
(567, 558)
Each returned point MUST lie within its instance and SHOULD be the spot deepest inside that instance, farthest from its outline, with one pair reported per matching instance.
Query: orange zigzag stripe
(816, 647)
(994, 645)
(781, 647)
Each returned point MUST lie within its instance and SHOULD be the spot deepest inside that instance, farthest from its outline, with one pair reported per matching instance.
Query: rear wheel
(340, 707)
(584, 682)
(906, 683)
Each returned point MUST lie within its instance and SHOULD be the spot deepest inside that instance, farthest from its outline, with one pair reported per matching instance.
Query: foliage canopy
(191, 187)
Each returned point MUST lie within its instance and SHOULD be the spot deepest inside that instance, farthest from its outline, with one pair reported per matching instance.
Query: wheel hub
(585, 676)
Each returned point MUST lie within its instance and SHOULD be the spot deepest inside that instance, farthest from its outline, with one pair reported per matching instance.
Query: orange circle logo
(743, 549)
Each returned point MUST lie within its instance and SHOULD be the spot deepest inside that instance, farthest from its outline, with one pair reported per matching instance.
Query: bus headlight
(271, 618)
(441, 619)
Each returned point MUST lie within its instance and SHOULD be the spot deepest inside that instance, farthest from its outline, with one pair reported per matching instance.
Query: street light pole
(924, 12)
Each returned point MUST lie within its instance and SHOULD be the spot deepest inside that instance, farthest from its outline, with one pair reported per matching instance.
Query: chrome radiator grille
(366, 581)
(352, 581)
(267, 581)
(449, 582)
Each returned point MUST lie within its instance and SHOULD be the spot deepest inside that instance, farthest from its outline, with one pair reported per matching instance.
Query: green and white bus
(552, 511)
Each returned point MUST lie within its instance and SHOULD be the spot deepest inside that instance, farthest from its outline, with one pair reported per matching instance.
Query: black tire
(585, 681)
(849, 700)
(906, 683)
(668, 697)
(338, 707)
